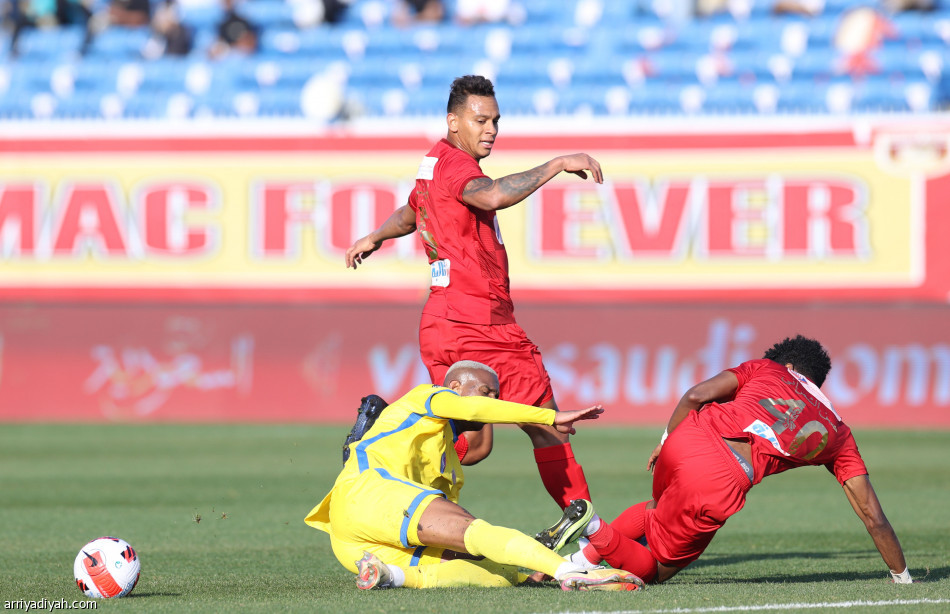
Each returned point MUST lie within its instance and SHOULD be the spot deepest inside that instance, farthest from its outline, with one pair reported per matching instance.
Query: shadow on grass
(920, 575)
(134, 595)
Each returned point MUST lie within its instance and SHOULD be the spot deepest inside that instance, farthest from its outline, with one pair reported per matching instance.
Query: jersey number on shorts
(787, 411)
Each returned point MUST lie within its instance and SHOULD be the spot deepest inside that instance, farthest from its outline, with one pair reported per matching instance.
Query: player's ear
(453, 122)
(454, 385)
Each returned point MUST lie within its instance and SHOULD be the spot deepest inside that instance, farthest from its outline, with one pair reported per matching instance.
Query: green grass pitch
(216, 515)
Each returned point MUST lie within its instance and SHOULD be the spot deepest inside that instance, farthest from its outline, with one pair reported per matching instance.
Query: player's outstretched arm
(494, 194)
(399, 224)
(868, 508)
(564, 420)
(719, 387)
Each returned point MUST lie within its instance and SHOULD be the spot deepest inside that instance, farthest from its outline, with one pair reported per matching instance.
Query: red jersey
(788, 421)
(468, 259)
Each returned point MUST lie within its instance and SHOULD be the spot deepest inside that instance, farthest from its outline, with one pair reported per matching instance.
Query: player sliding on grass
(469, 313)
(393, 509)
(725, 435)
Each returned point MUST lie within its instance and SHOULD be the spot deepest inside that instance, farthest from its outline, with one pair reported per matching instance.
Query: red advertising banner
(313, 363)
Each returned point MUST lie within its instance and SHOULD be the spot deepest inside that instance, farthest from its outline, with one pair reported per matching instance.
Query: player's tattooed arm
(493, 194)
(507, 190)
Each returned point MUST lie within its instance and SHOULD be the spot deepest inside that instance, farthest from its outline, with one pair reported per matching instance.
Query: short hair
(469, 85)
(805, 355)
(465, 365)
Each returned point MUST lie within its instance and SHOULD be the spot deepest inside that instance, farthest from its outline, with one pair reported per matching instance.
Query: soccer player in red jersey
(725, 435)
(469, 313)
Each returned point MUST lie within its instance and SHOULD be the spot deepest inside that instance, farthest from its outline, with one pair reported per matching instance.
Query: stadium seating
(585, 57)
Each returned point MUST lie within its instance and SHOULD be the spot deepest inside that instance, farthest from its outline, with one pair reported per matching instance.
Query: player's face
(479, 383)
(474, 127)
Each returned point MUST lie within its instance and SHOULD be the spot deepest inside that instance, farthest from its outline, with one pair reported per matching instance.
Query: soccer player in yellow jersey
(394, 507)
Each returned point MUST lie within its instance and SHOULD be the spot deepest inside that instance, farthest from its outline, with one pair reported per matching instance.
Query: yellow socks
(462, 572)
(510, 547)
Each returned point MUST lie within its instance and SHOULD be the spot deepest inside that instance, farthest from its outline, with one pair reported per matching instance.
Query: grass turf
(215, 513)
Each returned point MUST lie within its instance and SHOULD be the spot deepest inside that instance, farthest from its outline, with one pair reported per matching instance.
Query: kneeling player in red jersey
(725, 435)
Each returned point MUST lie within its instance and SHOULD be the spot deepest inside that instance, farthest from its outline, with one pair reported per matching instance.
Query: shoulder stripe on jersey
(407, 517)
(429, 401)
(362, 459)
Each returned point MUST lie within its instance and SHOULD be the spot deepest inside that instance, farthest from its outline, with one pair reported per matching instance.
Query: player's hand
(651, 464)
(578, 163)
(564, 420)
(360, 251)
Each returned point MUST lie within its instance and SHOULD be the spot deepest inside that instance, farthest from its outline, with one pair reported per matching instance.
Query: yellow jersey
(413, 439)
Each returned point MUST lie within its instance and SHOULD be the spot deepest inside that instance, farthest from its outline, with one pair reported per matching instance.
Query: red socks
(632, 522)
(561, 475)
(621, 552)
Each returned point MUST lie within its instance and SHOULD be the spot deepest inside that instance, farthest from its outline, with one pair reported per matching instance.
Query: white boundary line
(780, 606)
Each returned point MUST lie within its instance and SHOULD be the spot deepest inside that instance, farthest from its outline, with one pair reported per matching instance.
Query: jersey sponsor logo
(764, 431)
(427, 168)
(440, 273)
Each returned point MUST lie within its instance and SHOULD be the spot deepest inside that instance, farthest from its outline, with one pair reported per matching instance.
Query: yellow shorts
(380, 513)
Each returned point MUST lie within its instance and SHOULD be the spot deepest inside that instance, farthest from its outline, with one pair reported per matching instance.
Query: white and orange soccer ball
(106, 567)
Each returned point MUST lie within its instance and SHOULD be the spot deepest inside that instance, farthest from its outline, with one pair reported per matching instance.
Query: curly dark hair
(805, 355)
(469, 85)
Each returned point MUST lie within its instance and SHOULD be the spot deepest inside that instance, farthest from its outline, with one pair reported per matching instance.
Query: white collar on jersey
(814, 390)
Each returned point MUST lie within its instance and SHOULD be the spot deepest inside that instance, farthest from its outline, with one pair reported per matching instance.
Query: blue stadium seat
(730, 98)
(96, 75)
(164, 75)
(86, 105)
(289, 72)
(149, 105)
(676, 67)
(594, 70)
(375, 74)
(802, 97)
(655, 98)
(427, 101)
(202, 16)
(267, 13)
(822, 27)
(282, 102)
(513, 101)
(51, 44)
(119, 42)
(915, 28)
(522, 71)
(15, 106)
(31, 75)
(589, 98)
(817, 63)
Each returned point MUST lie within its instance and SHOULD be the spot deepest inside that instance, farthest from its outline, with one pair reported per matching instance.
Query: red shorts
(503, 347)
(697, 485)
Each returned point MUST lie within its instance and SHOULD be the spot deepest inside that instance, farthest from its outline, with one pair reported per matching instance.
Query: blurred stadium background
(573, 57)
(174, 211)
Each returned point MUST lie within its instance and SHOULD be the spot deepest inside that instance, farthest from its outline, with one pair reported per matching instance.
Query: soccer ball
(106, 567)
